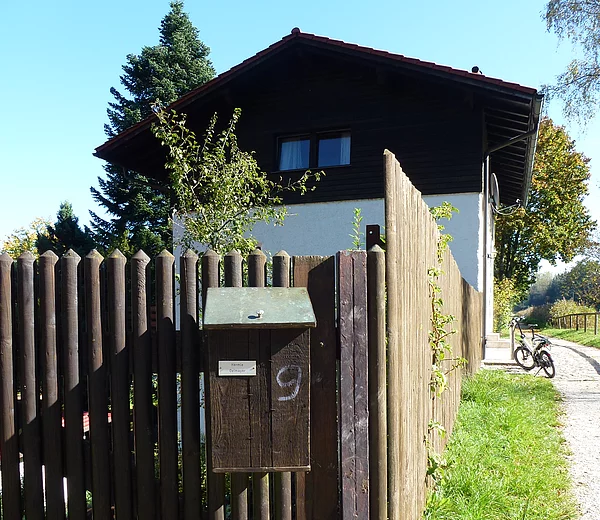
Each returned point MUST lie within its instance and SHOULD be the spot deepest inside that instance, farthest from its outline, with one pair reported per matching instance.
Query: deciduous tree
(555, 225)
(139, 208)
(579, 86)
(220, 192)
(25, 238)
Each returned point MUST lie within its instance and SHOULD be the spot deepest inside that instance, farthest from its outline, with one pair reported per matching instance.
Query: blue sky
(59, 60)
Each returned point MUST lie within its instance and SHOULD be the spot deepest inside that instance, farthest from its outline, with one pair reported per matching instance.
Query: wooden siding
(435, 130)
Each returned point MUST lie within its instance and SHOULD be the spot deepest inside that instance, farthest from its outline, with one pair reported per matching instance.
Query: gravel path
(578, 380)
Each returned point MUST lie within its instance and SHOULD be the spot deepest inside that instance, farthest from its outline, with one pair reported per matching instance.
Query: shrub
(564, 307)
(506, 296)
(539, 314)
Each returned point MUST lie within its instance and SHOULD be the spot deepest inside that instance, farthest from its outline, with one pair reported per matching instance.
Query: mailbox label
(237, 368)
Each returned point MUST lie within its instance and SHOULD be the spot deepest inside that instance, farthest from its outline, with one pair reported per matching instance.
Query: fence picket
(98, 399)
(215, 481)
(9, 442)
(143, 408)
(377, 383)
(190, 388)
(51, 406)
(34, 497)
(260, 480)
(282, 481)
(72, 386)
(120, 385)
(167, 387)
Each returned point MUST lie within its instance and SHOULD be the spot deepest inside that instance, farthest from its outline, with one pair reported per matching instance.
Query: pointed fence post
(51, 406)
(190, 387)
(215, 481)
(9, 441)
(120, 385)
(283, 480)
(167, 387)
(260, 481)
(143, 408)
(75, 473)
(32, 457)
(97, 393)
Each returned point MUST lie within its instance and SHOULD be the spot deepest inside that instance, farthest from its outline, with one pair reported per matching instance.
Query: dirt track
(578, 380)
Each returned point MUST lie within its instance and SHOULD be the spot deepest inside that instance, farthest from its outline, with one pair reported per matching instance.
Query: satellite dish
(494, 191)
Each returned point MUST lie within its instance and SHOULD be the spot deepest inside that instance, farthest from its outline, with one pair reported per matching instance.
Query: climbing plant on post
(442, 362)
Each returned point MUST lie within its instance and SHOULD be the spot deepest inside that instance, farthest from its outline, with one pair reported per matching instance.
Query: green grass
(578, 336)
(506, 455)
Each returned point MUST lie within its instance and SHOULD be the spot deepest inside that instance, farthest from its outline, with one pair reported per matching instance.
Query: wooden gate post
(353, 393)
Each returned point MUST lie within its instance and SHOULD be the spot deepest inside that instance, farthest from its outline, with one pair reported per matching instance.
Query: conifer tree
(139, 207)
(65, 234)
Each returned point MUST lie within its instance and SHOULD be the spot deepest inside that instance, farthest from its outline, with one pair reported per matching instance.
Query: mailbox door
(259, 422)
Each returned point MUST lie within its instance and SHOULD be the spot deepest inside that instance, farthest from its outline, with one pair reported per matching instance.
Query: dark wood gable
(435, 133)
(436, 127)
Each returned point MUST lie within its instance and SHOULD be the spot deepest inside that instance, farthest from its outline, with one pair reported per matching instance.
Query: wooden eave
(509, 109)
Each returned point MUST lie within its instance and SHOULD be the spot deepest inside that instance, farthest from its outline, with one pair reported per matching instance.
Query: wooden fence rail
(580, 321)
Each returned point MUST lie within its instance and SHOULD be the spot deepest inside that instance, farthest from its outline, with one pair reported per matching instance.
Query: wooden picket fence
(411, 248)
(78, 343)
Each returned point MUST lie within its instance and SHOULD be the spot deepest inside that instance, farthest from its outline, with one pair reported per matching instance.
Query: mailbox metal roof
(258, 308)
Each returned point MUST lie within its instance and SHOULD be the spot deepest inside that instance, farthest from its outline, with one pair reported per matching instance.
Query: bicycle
(535, 352)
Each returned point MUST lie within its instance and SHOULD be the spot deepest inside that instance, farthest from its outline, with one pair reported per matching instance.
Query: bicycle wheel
(547, 364)
(524, 358)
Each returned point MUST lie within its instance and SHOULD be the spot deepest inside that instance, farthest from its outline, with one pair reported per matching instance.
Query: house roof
(512, 110)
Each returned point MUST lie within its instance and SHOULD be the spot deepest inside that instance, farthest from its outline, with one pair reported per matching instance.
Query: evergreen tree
(65, 234)
(139, 207)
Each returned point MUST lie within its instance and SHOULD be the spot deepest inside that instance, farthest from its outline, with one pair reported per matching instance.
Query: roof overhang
(510, 109)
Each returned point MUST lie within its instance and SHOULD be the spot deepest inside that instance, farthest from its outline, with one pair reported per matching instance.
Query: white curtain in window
(293, 155)
(345, 149)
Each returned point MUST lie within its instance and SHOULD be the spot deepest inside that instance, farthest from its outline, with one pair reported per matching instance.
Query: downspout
(487, 247)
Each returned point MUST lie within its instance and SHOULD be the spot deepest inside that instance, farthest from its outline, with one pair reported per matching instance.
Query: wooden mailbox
(258, 391)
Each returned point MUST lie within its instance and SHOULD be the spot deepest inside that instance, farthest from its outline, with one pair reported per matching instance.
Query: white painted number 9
(295, 372)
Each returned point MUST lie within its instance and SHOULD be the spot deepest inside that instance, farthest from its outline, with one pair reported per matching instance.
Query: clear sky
(59, 60)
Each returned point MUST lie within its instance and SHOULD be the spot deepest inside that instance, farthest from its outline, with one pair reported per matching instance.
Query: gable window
(317, 150)
(333, 149)
(294, 153)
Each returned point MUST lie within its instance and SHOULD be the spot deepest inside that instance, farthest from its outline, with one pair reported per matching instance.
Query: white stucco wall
(325, 228)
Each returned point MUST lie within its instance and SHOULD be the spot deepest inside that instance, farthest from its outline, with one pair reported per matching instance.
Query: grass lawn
(578, 336)
(506, 455)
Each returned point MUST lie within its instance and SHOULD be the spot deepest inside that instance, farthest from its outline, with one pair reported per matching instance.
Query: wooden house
(313, 102)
